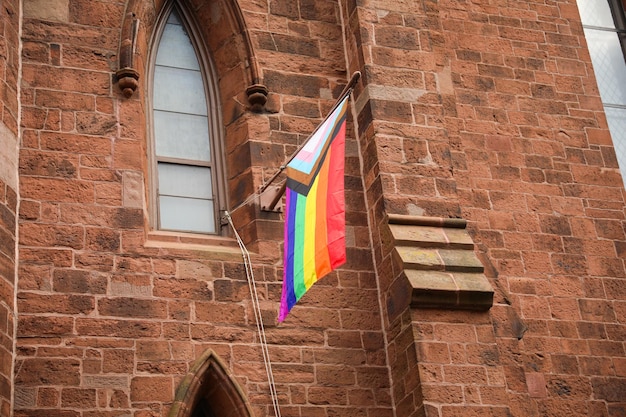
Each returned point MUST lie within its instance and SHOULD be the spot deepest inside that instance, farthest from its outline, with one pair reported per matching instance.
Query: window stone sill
(216, 247)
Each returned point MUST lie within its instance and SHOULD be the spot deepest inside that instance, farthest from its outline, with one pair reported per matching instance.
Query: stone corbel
(127, 75)
(257, 97)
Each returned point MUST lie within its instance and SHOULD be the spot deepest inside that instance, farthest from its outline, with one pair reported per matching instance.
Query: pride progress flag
(315, 209)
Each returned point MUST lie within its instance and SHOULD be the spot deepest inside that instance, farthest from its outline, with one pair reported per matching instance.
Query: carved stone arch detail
(222, 17)
(209, 379)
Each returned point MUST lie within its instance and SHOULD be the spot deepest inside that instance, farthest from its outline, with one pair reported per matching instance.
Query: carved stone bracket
(257, 97)
(128, 81)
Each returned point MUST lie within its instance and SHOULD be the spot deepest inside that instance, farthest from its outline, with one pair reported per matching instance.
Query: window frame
(611, 107)
(215, 125)
(618, 10)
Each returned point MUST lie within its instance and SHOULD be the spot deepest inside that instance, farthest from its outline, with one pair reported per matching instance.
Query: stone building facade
(485, 214)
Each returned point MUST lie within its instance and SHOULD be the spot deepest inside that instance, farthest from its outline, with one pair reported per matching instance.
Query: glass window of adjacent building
(187, 191)
(605, 30)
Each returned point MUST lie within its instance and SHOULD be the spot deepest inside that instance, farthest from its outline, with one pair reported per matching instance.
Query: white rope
(257, 315)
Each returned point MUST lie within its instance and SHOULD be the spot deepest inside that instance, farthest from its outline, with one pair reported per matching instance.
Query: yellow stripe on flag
(309, 243)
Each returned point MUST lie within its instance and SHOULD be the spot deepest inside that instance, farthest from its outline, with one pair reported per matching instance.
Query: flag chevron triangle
(305, 166)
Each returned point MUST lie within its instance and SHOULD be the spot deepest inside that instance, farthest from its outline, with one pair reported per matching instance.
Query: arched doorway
(209, 391)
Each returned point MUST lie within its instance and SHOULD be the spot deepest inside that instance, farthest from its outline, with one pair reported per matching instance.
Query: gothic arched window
(187, 181)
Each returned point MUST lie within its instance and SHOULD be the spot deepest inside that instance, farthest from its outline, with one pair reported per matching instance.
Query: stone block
(52, 10)
(420, 258)
(460, 260)
(410, 235)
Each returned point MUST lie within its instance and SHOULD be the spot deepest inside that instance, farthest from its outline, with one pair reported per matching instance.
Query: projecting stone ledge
(438, 259)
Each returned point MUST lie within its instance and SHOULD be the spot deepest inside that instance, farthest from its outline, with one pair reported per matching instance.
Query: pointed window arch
(186, 157)
(209, 391)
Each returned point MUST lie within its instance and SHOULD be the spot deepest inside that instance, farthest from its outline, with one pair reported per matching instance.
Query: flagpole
(346, 91)
(276, 198)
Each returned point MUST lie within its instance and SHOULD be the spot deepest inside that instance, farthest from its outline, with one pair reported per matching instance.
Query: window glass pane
(179, 90)
(186, 214)
(185, 181)
(175, 47)
(182, 136)
(181, 130)
(596, 13)
(616, 119)
(173, 18)
(608, 64)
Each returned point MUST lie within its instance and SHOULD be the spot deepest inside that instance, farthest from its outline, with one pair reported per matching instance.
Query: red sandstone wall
(538, 177)
(111, 318)
(482, 110)
(489, 110)
(8, 208)
(9, 68)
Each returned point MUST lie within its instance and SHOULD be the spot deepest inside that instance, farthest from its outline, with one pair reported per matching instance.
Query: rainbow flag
(315, 210)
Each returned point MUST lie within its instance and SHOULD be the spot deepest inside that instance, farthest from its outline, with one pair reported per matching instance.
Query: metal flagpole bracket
(346, 91)
(271, 198)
